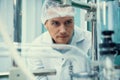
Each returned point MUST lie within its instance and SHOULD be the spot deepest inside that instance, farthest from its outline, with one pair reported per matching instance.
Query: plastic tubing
(14, 53)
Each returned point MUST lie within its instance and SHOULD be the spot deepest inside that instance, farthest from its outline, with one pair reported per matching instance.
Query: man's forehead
(62, 18)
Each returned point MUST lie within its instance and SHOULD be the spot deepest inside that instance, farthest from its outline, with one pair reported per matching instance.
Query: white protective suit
(81, 39)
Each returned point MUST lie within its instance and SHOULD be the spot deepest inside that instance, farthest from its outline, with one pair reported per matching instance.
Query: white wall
(6, 17)
(31, 25)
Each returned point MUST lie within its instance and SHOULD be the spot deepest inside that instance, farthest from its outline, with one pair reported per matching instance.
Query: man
(59, 21)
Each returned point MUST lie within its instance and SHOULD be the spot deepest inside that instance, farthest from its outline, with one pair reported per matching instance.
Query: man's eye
(68, 22)
(55, 23)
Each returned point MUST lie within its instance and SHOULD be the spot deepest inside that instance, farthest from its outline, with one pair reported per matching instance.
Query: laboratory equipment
(108, 51)
(62, 61)
(107, 48)
(102, 21)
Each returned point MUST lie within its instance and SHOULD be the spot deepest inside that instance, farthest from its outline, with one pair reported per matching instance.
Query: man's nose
(63, 29)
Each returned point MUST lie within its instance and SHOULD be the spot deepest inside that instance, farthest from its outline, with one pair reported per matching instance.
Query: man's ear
(45, 24)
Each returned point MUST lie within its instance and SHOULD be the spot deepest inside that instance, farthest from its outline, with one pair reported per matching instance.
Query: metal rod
(45, 72)
(36, 73)
(83, 5)
(77, 3)
(94, 41)
(85, 75)
(4, 74)
(80, 4)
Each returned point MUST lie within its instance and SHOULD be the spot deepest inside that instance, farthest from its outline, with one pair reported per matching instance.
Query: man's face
(60, 29)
